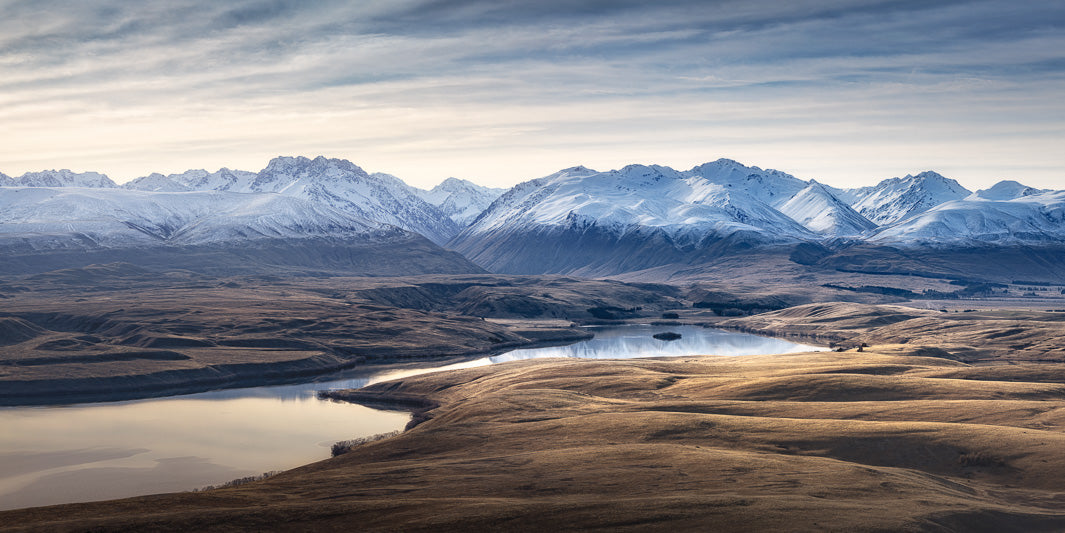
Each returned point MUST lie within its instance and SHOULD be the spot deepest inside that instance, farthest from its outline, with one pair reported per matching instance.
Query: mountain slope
(1031, 219)
(42, 228)
(816, 208)
(1007, 190)
(897, 198)
(771, 187)
(155, 182)
(344, 186)
(64, 178)
(598, 223)
(461, 200)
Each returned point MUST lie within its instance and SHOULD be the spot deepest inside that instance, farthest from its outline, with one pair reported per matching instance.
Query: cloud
(559, 78)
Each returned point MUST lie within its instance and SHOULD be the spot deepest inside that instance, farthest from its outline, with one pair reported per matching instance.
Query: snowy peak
(1031, 219)
(819, 210)
(54, 217)
(155, 182)
(684, 205)
(222, 180)
(283, 173)
(1006, 190)
(6, 181)
(343, 185)
(65, 178)
(897, 198)
(771, 187)
(461, 200)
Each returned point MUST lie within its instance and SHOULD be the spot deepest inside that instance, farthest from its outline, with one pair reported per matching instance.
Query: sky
(847, 92)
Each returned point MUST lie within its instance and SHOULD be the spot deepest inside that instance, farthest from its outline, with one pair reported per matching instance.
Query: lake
(99, 451)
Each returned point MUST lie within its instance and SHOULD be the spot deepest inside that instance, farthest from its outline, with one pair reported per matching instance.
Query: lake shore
(281, 367)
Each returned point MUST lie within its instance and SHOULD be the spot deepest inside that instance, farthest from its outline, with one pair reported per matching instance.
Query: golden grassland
(886, 439)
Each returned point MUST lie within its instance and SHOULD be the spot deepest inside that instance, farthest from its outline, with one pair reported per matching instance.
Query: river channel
(97, 451)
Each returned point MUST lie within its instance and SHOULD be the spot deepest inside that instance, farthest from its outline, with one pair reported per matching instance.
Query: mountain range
(575, 221)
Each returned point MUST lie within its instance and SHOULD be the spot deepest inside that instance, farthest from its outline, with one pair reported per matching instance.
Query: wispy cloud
(506, 90)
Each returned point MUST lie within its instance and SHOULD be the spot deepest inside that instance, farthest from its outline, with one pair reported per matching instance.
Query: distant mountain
(208, 230)
(1007, 190)
(819, 210)
(1002, 216)
(641, 218)
(582, 221)
(771, 187)
(64, 178)
(222, 180)
(897, 198)
(344, 186)
(155, 182)
(335, 183)
(196, 180)
(461, 200)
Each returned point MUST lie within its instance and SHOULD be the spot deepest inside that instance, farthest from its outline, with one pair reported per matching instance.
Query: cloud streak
(501, 91)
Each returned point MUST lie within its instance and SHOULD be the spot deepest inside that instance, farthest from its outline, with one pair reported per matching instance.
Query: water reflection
(102, 451)
(110, 450)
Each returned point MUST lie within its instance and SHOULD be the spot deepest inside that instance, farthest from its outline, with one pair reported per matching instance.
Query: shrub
(345, 446)
(239, 481)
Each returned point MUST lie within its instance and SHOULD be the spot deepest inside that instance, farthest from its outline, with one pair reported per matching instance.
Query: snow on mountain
(897, 198)
(976, 220)
(344, 186)
(816, 208)
(771, 187)
(461, 200)
(222, 180)
(49, 218)
(1007, 190)
(155, 182)
(639, 215)
(6, 181)
(64, 178)
(334, 183)
(196, 180)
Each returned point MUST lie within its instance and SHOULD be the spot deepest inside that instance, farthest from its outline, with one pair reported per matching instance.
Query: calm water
(110, 450)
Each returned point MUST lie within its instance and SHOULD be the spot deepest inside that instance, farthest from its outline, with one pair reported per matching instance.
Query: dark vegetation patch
(345, 446)
(110, 357)
(667, 336)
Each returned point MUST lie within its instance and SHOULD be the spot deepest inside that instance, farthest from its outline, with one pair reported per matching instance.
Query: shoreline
(236, 376)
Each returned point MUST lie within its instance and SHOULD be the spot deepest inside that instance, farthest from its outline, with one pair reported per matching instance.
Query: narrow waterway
(111, 450)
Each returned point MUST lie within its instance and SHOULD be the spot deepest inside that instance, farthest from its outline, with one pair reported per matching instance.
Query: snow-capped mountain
(43, 228)
(64, 178)
(196, 180)
(897, 198)
(977, 220)
(821, 211)
(344, 186)
(1007, 190)
(461, 200)
(771, 187)
(580, 220)
(222, 180)
(577, 220)
(54, 217)
(155, 182)
(334, 183)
